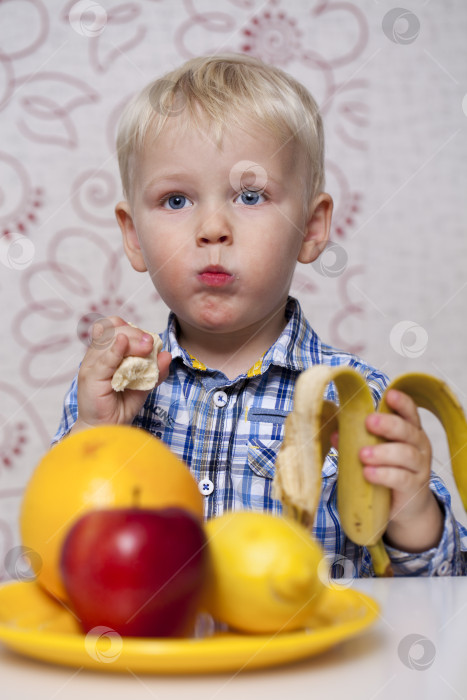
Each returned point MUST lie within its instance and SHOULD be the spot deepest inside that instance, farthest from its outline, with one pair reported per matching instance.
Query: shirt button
(206, 487)
(220, 398)
(443, 568)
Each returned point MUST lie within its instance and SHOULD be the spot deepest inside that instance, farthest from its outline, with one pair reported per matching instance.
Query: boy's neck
(235, 352)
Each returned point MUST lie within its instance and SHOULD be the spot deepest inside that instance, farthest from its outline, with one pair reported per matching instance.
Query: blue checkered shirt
(229, 433)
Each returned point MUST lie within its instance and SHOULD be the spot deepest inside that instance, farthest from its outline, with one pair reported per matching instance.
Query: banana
(363, 507)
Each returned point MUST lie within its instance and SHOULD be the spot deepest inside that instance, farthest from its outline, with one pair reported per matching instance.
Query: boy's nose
(214, 229)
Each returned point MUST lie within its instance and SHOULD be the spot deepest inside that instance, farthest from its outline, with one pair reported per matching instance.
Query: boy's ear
(130, 238)
(317, 229)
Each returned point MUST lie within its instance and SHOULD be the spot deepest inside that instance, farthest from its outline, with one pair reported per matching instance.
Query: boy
(222, 172)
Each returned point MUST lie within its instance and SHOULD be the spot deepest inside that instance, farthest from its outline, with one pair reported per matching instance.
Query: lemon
(112, 466)
(264, 572)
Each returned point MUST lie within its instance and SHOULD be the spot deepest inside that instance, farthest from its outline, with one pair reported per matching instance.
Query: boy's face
(220, 254)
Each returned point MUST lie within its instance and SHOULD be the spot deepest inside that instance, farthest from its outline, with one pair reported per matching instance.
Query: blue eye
(176, 201)
(250, 198)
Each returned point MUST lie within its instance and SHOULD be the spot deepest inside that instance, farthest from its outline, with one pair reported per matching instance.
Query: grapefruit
(103, 467)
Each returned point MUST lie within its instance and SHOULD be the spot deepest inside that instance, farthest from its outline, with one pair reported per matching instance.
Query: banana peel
(435, 396)
(363, 507)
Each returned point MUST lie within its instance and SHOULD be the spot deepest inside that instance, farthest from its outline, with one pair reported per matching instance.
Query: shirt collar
(172, 344)
(297, 347)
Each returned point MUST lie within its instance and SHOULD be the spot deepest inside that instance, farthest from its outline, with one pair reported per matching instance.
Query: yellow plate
(35, 625)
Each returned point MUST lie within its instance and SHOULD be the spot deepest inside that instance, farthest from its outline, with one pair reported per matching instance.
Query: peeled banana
(363, 507)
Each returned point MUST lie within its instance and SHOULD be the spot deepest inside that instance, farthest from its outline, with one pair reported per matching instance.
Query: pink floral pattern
(19, 203)
(273, 37)
(49, 120)
(112, 32)
(87, 299)
(13, 445)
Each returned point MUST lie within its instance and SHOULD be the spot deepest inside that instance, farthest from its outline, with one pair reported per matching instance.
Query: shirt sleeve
(69, 413)
(449, 558)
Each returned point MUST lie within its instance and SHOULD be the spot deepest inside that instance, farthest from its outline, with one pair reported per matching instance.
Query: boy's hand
(112, 340)
(403, 464)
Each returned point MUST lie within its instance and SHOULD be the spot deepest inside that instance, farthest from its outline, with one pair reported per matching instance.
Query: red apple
(140, 572)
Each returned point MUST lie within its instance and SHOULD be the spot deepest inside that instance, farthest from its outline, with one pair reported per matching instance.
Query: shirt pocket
(262, 456)
(266, 436)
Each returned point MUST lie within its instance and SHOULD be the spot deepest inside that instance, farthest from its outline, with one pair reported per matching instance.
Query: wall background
(392, 85)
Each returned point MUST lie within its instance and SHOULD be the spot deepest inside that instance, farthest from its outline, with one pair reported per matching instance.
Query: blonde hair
(228, 89)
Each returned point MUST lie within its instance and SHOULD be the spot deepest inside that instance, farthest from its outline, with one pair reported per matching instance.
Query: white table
(372, 666)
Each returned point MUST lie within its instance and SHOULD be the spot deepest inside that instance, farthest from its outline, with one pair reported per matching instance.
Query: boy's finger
(404, 405)
(122, 346)
(164, 359)
(107, 322)
(139, 342)
(118, 349)
(394, 478)
(392, 454)
(103, 331)
(391, 427)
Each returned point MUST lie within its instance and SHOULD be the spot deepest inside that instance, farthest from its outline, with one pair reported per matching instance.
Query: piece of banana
(363, 507)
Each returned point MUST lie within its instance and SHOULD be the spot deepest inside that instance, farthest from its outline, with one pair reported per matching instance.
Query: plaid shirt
(229, 433)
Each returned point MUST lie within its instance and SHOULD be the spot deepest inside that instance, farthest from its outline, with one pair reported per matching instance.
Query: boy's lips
(215, 276)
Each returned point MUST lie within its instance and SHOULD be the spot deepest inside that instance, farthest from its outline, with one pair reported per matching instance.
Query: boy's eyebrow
(182, 175)
(165, 176)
